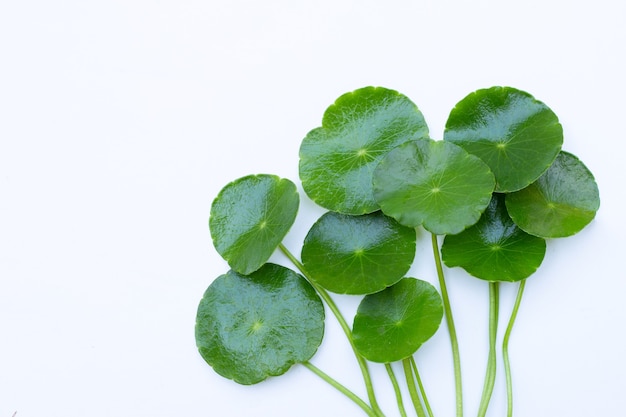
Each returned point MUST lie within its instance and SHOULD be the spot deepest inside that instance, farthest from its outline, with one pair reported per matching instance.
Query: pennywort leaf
(337, 159)
(494, 249)
(392, 324)
(358, 254)
(560, 203)
(434, 184)
(250, 327)
(512, 132)
(250, 217)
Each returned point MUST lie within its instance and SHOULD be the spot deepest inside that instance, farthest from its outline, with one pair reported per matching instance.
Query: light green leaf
(337, 159)
(251, 327)
(434, 184)
(358, 254)
(515, 134)
(250, 217)
(494, 249)
(560, 203)
(392, 324)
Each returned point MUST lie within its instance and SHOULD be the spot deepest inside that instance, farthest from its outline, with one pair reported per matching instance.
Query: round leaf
(337, 159)
(250, 217)
(560, 203)
(252, 327)
(358, 254)
(495, 249)
(434, 184)
(515, 134)
(392, 324)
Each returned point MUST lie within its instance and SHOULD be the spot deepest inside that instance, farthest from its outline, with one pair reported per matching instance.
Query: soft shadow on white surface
(120, 122)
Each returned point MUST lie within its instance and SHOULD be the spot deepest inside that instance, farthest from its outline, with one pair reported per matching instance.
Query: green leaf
(515, 134)
(358, 254)
(337, 159)
(434, 184)
(495, 249)
(392, 324)
(250, 217)
(251, 327)
(560, 203)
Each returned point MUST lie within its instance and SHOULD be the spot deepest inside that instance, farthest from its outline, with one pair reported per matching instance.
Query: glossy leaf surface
(495, 249)
(251, 327)
(515, 134)
(560, 203)
(435, 184)
(250, 217)
(337, 159)
(358, 254)
(392, 324)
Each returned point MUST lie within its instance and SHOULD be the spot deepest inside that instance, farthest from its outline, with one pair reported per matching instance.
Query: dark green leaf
(337, 159)
(495, 249)
(252, 327)
(358, 254)
(250, 217)
(515, 134)
(392, 324)
(560, 203)
(434, 184)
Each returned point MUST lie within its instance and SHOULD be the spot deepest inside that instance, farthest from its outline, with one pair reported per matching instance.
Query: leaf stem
(410, 382)
(456, 357)
(396, 389)
(421, 386)
(505, 349)
(345, 327)
(490, 376)
(345, 391)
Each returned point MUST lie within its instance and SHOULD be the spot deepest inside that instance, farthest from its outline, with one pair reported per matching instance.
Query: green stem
(490, 376)
(344, 325)
(505, 349)
(410, 382)
(456, 357)
(396, 389)
(421, 387)
(345, 391)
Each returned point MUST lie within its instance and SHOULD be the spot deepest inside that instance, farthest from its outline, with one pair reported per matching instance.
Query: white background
(121, 120)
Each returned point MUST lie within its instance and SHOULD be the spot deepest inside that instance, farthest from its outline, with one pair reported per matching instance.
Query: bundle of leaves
(497, 186)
